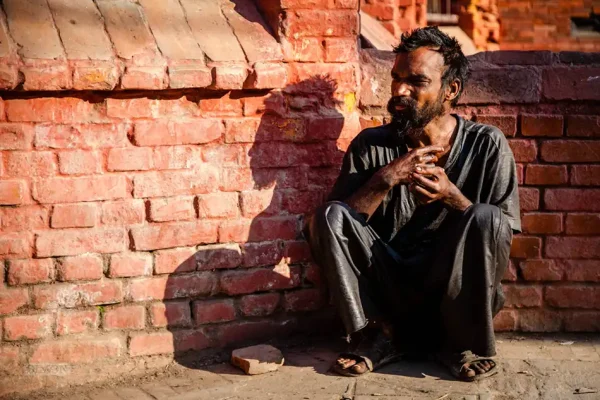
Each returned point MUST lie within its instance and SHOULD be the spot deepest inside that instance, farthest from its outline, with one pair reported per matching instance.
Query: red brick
(242, 130)
(303, 300)
(259, 254)
(172, 313)
(125, 212)
(581, 270)
(526, 247)
(150, 78)
(28, 327)
(147, 288)
(82, 215)
(171, 287)
(126, 317)
(77, 351)
(583, 126)
(267, 76)
(522, 296)
(172, 209)
(236, 230)
(257, 280)
(542, 125)
(143, 107)
(585, 175)
(504, 85)
(572, 199)
(302, 49)
(546, 174)
(30, 163)
(523, 150)
(161, 133)
(564, 83)
(13, 299)
(228, 155)
(297, 202)
(341, 49)
(274, 228)
(582, 321)
(274, 154)
(264, 202)
(175, 183)
(144, 344)
(218, 256)
(218, 205)
(173, 234)
(86, 136)
(223, 105)
(246, 332)
(71, 322)
(52, 109)
(510, 274)
(130, 159)
(189, 76)
(84, 188)
(16, 136)
(272, 103)
(69, 242)
(80, 162)
(12, 192)
(572, 247)
(9, 359)
(229, 76)
(236, 179)
(71, 295)
(259, 305)
(570, 151)
(130, 264)
(46, 77)
(541, 270)
(175, 260)
(209, 311)
(505, 321)
(541, 223)
(321, 23)
(313, 274)
(539, 321)
(25, 218)
(194, 339)
(297, 251)
(583, 224)
(573, 297)
(16, 245)
(177, 157)
(21, 272)
(506, 123)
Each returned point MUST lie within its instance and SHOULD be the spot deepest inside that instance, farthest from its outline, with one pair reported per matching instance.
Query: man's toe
(360, 368)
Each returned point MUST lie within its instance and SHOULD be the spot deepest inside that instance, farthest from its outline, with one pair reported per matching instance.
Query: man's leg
(474, 259)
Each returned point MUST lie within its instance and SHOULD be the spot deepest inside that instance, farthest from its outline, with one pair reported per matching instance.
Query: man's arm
(431, 184)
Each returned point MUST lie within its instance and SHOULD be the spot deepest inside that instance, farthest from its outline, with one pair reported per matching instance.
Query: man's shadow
(259, 282)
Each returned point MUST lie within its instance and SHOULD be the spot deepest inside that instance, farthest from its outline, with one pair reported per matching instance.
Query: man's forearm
(457, 200)
(369, 196)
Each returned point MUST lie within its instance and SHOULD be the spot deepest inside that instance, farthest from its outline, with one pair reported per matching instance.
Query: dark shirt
(480, 164)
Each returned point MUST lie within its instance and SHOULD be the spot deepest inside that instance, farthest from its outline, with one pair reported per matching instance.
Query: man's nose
(400, 90)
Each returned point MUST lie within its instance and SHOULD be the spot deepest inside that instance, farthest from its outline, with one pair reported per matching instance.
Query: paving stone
(256, 360)
(161, 391)
(132, 393)
(106, 394)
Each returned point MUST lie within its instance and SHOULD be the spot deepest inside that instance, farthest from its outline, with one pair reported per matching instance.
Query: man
(416, 235)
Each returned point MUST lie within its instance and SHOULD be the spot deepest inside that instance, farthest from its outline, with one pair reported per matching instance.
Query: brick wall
(547, 106)
(544, 25)
(397, 16)
(479, 20)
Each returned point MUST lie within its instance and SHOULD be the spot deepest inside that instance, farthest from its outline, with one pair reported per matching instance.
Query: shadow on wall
(258, 282)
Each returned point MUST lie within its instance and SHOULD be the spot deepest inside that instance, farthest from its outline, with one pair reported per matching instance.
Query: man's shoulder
(487, 133)
(374, 136)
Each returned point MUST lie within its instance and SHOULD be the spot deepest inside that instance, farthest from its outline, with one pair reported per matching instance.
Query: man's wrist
(456, 200)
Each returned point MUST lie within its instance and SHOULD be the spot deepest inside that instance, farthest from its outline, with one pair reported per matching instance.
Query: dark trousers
(441, 299)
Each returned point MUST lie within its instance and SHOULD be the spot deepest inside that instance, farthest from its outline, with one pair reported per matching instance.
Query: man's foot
(469, 367)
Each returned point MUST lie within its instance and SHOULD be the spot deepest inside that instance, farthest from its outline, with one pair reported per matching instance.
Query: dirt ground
(552, 367)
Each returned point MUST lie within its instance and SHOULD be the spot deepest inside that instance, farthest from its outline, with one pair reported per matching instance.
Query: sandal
(375, 354)
(457, 364)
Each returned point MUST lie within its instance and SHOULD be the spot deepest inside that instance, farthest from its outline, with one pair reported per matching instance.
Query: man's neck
(437, 133)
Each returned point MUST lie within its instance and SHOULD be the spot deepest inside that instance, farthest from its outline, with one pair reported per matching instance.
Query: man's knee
(488, 217)
(331, 214)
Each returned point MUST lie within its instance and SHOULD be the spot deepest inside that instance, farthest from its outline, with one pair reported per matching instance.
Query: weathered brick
(505, 321)
(213, 311)
(523, 150)
(272, 103)
(536, 174)
(218, 205)
(582, 321)
(246, 331)
(506, 123)
(539, 320)
(76, 351)
(259, 254)
(130, 159)
(259, 305)
(13, 299)
(171, 287)
(229, 76)
(541, 270)
(84, 188)
(572, 247)
(123, 213)
(130, 264)
(82, 215)
(144, 344)
(503, 85)
(580, 270)
(71, 322)
(313, 274)
(573, 296)
(218, 256)
(583, 224)
(529, 199)
(172, 209)
(175, 260)
(518, 296)
(24, 218)
(570, 151)
(149, 78)
(228, 155)
(267, 76)
(53, 109)
(236, 179)
(256, 280)
(13, 192)
(544, 223)
(303, 300)
(321, 23)
(563, 83)
(143, 107)
(161, 133)
(223, 105)
(177, 157)
(125, 317)
(297, 251)
(80, 162)
(583, 126)
(16, 245)
(572, 199)
(173, 234)
(172, 313)
(85, 136)
(30, 163)
(302, 202)
(75, 295)
(9, 359)
(70, 242)
(585, 175)
(264, 202)
(175, 183)
(242, 130)
(274, 228)
(28, 327)
(16, 136)
(21, 272)
(341, 49)
(526, 247)
(541, 125)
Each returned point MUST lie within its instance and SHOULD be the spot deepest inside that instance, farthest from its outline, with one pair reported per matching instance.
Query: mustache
(402, 101)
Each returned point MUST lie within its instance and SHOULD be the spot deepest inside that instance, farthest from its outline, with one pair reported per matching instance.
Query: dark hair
(448, 47)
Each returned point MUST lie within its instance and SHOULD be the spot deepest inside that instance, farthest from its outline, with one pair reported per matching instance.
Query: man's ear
(453, 89)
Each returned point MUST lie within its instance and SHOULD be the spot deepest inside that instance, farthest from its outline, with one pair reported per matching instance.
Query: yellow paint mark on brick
(349, 102)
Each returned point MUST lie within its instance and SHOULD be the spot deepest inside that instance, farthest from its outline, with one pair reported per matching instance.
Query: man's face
(417, 90)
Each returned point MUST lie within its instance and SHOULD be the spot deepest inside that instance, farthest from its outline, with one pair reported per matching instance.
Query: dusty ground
(532, 367)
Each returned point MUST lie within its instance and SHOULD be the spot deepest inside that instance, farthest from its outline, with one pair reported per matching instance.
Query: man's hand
(430, 183)
(400, 170)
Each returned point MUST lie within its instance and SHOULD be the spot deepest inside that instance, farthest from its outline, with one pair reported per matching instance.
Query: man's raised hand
(430, 183)
(401, 169)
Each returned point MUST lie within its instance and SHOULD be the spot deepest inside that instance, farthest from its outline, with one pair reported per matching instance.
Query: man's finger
(429, 149)
(426, 182)
(429, 169)
(425, 195)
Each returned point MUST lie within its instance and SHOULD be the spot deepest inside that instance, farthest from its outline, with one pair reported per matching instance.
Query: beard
(412, 119)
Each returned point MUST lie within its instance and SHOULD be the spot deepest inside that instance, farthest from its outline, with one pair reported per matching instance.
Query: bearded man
(416, 234)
